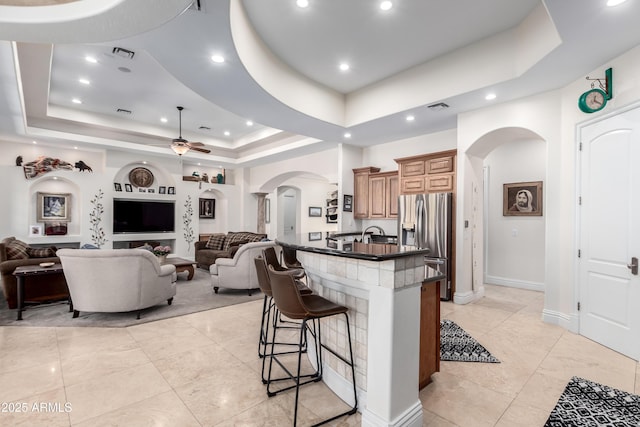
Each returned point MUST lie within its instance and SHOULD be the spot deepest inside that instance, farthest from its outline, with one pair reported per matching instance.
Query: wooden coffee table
(181, 265)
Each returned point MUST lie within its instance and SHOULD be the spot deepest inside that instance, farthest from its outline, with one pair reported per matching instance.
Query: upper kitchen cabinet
(428, 173)
(361, 191)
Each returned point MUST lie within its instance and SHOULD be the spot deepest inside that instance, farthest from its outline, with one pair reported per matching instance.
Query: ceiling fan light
(179, 149)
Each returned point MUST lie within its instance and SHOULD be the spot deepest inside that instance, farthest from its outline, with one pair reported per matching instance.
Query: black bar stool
(309, 309)
(268, 307)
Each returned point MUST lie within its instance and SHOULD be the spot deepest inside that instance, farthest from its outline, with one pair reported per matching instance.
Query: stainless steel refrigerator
(424, 221)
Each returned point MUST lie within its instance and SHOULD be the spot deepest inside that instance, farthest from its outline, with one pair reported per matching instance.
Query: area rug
(191, 296)
(458, 346)
(585, 403)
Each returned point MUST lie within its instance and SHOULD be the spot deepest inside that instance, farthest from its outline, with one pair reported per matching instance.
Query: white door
(610, 232)
(289, 219)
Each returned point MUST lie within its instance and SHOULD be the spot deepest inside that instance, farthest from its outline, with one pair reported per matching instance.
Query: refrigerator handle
(419, 223)
(439, 224)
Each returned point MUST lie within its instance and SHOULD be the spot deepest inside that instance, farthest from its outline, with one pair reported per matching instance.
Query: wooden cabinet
(361, 191)
(380, 197)
(429, 173)
(429, 332)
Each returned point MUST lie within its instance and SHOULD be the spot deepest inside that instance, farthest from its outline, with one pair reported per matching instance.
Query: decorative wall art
(171, 190)
(44, 165)
(35, 230)
(522, 199)
(117, 186)
(315, 235)
(162, 190)
(347, 203)
(141, 177)
(207, 208)
(315, 211)
(128, 188)
(53, 207)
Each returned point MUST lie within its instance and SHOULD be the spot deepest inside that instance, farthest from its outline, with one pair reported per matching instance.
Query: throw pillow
(17, 249)
(7, 240)
(216, 241)
(40, 252)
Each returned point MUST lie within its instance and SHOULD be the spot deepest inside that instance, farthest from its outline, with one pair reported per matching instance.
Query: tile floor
(202, 370)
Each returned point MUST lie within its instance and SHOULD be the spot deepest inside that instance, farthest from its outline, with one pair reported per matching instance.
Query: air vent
(204, 128)
(439, 106)
(123, 53)
(123, 111)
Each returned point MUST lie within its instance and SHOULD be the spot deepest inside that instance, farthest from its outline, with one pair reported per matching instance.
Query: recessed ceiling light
(84, 81)
(34, 142)
(76, 101)
(386, 5)
(249, 123)
(410, 118)
(91, 59)
(490, 96)
(227, 133)
(612, 3)
(347, 135)
(302, 3)
(218, 59)
(344, 66)
(75, 147)
(163, 119)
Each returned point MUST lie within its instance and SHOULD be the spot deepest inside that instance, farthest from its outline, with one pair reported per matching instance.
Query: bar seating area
(286, 295)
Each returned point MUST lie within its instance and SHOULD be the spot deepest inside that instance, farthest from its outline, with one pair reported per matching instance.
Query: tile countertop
(357, 250)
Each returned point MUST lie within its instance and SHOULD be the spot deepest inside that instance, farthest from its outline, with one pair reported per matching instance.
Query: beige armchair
(238, 272)
(116, 280)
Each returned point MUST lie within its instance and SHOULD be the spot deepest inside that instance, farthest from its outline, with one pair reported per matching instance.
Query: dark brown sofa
(38, 289)
(219, 245)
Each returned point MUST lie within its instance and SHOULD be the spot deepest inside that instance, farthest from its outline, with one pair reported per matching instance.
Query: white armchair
(238, 272)
(116, 280)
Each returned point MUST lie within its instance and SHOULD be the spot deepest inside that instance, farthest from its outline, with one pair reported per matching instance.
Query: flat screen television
(143, 216)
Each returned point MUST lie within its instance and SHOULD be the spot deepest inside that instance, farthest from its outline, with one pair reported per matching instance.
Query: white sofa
(238, 272)
(116, 280)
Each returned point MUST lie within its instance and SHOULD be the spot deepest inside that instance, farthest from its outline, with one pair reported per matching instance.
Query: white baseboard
(513, 283)
(412, 417)
(570, 322)
(464, 297)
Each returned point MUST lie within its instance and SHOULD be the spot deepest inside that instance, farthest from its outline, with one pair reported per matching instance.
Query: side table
(34, 270)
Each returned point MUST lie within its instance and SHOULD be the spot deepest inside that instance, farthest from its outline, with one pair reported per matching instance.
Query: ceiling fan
(180, 145)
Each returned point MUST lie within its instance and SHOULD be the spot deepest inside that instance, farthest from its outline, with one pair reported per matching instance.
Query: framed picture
(171, 190)
(207, 208)
(267, 211)
(151, 190)
(142, 190)
(522, 199)
(117, 186)
(162, 190)
(53, 207)
(55, 228)
(128, 188)
(35, 230)
(347, 203)
(315, 235)
(315, 211)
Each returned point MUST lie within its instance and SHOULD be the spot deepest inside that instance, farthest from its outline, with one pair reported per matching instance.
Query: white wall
(515, 245)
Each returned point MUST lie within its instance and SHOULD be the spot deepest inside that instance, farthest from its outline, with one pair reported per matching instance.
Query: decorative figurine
(19, 161)
(82, 166)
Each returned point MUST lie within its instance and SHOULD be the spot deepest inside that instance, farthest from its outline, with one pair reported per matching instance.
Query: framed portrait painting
(207, 208)
(522, 199)
(53, 207)
(315, 211)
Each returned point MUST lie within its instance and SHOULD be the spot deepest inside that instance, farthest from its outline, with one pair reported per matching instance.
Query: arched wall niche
(58, 184)
(218, 224)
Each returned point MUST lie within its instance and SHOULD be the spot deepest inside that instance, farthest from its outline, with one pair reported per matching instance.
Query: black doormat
(458, 346)
(585, 403)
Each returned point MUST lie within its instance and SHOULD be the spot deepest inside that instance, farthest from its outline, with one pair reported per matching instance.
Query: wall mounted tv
(143, 216)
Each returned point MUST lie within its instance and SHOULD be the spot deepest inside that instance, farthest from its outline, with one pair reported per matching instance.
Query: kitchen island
(381, 286)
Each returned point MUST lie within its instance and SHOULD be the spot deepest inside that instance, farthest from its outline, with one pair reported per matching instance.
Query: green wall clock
(592, 100)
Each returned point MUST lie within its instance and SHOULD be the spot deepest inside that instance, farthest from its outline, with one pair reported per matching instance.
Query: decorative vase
(220, 178)
(162, 258)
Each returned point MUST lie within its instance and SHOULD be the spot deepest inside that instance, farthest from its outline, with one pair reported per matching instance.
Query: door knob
(633, 266)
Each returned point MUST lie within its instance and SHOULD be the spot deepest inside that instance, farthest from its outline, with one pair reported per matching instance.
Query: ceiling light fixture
(34, 142)
(91, 59)
(612, 3)
(84, 81)
(438, 106)
(249, 123)
(386, 5)
(218, 59)
(344, 66)
(302, 3)
(179, 148)
(490, 97)
(227, 133)
(76, 101)
(410, 118)
(347, 135)
(164, 119)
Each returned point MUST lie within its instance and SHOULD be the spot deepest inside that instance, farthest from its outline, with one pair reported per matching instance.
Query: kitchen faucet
(367, 229)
